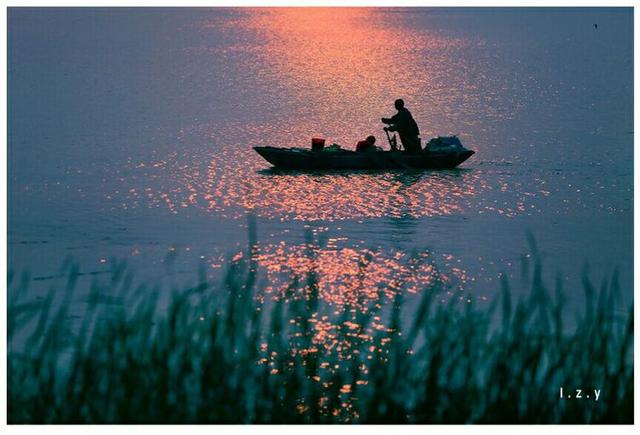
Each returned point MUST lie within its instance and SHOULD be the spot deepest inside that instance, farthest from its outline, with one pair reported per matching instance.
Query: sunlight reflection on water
(355, 277)
(359, 290)
(327, 73)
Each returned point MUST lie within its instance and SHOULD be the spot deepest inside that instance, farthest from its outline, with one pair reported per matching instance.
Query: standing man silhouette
(406, 126)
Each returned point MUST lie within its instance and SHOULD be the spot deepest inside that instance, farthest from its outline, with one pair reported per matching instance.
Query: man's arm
(392, 120)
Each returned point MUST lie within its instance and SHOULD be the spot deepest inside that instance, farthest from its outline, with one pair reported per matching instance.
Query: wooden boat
(306, 159)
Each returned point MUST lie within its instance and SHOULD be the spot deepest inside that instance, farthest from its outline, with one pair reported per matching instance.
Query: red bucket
(317, 144)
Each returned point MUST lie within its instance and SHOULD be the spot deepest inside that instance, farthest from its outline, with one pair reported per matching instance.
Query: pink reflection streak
(351, 281)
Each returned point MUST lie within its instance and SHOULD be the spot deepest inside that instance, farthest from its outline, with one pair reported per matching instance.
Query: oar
(394, 146)
(393, 143)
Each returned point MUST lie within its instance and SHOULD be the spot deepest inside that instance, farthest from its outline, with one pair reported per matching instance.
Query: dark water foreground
(223, 352)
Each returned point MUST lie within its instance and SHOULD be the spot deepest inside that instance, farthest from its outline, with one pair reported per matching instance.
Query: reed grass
(215, 354)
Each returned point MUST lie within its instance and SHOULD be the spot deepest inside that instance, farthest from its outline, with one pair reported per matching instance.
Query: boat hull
(295, 158)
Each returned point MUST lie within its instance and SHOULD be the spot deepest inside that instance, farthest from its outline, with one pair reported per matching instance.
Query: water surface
(130, 135)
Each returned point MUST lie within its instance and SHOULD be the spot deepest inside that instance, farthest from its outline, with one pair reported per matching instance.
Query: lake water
(130, 135)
